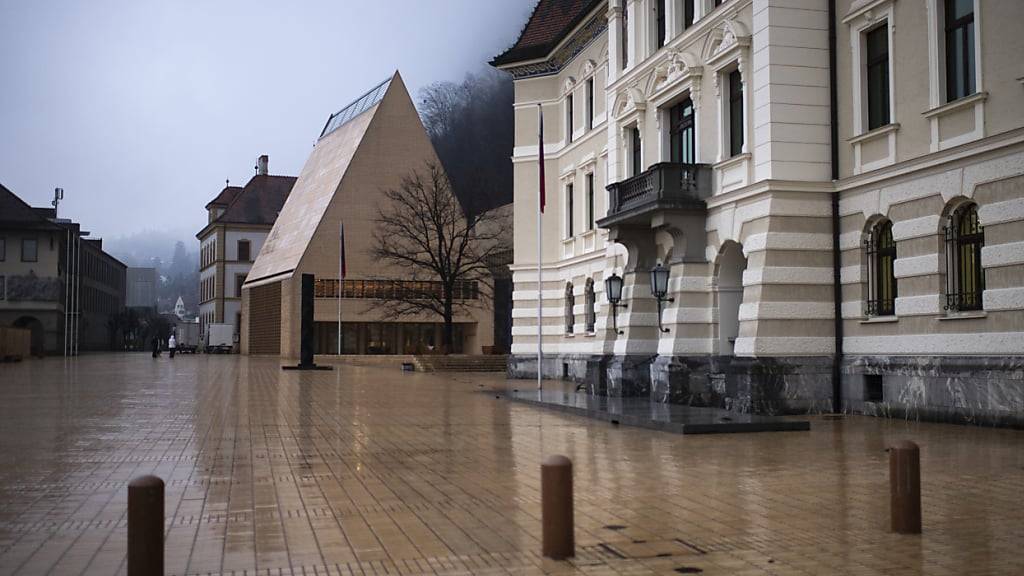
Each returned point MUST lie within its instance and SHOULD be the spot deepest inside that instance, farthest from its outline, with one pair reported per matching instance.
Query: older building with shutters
(365, 148)
(840, 208)
(239, 219)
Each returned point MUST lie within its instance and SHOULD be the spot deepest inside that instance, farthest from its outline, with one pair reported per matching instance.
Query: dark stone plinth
(981, 390)
(629, 376)
(644, 413)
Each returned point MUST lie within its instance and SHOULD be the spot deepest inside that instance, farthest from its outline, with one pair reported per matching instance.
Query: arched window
(881, 254)
(965, 278)
(590, 300)
(570, 303)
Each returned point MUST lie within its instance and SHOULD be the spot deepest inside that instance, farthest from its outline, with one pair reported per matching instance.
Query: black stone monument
(306, 329)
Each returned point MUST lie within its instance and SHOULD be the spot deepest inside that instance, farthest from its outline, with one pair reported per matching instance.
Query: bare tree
(472, 127)
(445, 255)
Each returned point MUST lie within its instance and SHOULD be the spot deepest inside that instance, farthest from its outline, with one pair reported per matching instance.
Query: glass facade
(386, 338)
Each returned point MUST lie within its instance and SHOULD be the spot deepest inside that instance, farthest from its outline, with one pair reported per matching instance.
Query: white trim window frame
(731, 171)
(939, 106)
(732, 54)
(863, 21)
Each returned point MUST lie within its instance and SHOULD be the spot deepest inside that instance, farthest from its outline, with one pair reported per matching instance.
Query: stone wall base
(759, 385)
(969, 390)
(983, 390)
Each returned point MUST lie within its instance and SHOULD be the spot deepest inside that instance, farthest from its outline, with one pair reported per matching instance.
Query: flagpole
(341, 280)
(540, 238)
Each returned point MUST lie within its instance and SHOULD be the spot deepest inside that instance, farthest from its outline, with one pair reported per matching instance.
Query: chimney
(263, 165)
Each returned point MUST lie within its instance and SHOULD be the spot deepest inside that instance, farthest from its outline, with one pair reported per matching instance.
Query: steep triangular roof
(14, 210)
(319, 181)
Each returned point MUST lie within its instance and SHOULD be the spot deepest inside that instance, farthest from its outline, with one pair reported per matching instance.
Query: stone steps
(461, 363)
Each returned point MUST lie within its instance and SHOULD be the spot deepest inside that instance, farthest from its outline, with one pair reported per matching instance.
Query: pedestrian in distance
(156, 347)
(172, 343)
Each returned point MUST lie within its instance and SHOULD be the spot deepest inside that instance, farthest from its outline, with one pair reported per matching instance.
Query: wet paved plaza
(375, 471)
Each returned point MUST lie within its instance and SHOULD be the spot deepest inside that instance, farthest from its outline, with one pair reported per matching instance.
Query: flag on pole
(342, 257)
(540, 137)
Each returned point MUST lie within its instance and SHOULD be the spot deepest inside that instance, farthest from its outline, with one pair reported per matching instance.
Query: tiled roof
(549, 23)
(260, 200)
(225, 197)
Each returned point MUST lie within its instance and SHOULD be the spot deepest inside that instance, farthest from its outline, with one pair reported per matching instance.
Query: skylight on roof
(360, 105)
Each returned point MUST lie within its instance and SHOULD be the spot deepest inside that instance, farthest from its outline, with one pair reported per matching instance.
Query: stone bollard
(146, 526)
(905, 487)
(558, 541)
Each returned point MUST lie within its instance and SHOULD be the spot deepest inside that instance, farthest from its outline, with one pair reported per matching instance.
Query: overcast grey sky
(140, 109)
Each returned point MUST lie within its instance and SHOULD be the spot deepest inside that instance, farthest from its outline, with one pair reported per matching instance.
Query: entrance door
(731, 265)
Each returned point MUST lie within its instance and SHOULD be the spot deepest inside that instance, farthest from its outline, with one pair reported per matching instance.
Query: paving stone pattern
(374, 471)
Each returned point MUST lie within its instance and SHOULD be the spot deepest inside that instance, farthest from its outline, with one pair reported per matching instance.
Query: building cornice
(577, 41)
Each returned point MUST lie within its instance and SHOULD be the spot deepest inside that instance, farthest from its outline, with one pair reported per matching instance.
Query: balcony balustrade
(664, 186)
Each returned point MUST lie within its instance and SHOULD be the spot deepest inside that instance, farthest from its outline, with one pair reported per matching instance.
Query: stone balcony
(664, 186)
(667, 196)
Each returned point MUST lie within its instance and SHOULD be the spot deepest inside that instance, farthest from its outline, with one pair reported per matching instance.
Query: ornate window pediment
(726, 41)
(677, 67)
(631, 99)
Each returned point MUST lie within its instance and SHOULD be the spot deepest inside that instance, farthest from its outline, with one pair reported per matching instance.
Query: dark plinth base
(980, 390)
(958, 389)
(307, 367)
(643, 413)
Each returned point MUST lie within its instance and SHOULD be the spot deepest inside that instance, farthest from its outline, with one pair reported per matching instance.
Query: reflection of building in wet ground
(857, 248)
(55, 281)
(375, 471)
(366, 148)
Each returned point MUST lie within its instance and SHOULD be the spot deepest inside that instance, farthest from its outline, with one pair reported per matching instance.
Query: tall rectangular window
(878, 76)
(681, 132)
(625, 36)
(590, 103)
(590, 201)
(3, 249)
(662, 28)
(735, 113)
(688, 13)
(243, 251)
(637, 162)
(959, 18)
(569, 233)
(239, 280)
(29, 250)
(568, 117)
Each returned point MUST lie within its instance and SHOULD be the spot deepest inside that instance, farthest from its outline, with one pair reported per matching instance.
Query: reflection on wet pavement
(375, 471)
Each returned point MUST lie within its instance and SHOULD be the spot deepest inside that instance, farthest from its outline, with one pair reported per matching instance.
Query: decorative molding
(554, 64)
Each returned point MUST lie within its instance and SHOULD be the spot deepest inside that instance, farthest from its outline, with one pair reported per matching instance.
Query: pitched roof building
(55, 281)
(240, 217)
(367, 147)
(842, 222)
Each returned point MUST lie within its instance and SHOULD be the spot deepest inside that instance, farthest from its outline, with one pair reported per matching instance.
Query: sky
(141, 109)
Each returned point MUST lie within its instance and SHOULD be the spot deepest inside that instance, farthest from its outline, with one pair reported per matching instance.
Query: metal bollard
(146, 526)
(905, 487)
(557, 539)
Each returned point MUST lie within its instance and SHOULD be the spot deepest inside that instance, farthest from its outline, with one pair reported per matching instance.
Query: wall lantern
(613, 291)
(659, 289)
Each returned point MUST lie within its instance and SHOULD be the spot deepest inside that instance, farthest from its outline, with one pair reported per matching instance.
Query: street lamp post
(613, 292)
(659, 289)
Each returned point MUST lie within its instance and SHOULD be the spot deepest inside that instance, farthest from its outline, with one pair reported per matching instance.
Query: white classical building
(240, 218)
(840, 208)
